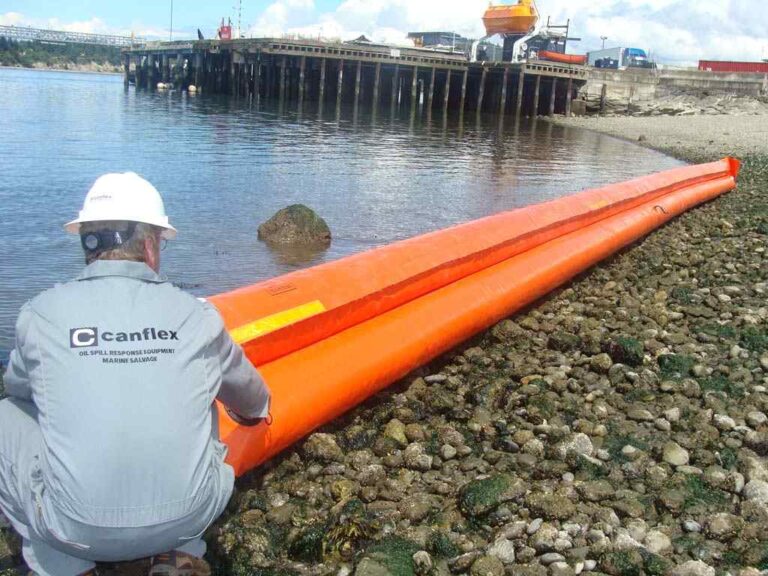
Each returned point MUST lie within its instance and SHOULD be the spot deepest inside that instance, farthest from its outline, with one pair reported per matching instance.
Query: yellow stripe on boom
(276, 321)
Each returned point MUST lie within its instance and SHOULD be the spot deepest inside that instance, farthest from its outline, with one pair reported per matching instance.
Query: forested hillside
(58, 56)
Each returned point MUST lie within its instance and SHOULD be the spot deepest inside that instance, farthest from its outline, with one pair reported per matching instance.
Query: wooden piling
(340, 84)
(481, 95)
(302, 77)
(323, 65)
(603, 97)
(165, 68)
(553, 97)
(536, 94)
(126, 69)
(358, 78)
(431, 97)
(283, 77)
(257, 78)
(414, 86)
(520, 93)
(232, 72)
(150, 72)
(198, 60)
(395, 87)
(463, 90)
(504, 82)
(569, 98)
(447, 91)
(376, 86)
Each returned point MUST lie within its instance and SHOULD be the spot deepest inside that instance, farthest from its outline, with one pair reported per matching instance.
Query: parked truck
(619, 58)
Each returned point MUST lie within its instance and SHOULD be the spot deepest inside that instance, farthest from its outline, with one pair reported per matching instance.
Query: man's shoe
(178, 564)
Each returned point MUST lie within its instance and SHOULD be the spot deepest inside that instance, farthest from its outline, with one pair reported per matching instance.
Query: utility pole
(239, 18)
(603, 38)
(171, 39)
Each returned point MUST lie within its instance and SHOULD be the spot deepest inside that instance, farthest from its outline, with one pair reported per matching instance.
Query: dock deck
(301, 70)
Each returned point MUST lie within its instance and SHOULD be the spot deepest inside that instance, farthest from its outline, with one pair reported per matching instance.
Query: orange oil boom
(327, 338)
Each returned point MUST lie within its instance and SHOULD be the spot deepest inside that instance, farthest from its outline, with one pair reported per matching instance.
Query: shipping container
(737, 67)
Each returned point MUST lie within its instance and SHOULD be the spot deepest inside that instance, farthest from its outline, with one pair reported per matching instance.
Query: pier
(298, 71)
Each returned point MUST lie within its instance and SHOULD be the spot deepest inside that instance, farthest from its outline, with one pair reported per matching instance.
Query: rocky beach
(619, 426)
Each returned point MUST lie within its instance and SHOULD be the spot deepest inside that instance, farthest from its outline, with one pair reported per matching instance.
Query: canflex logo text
(89, 337)
(83, 337)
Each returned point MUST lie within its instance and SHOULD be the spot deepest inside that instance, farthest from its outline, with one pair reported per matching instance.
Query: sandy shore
(689, 136)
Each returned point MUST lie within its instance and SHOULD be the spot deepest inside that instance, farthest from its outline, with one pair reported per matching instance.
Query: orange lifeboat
(578, 59)
(518, 18)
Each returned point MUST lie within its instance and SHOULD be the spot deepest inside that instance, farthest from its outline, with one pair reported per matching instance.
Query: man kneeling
(109, 448)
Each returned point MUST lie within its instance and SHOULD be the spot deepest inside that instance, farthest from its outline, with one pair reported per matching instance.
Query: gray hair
(132, 250)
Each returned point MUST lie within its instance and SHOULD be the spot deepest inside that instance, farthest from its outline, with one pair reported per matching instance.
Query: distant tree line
(28, 54)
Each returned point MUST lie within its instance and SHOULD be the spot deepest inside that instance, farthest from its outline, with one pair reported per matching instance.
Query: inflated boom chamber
(328, 337)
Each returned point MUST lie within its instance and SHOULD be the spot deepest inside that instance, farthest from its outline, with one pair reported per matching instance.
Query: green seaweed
(732, 559)
(482, 495)
(616, 441)
(675, 365)
(721, 385)
(396, 554)
(655, 565)
(440, 546)
(754, 340)
(724, 331)
(729, 457)
(308, 547)
(699, 493)
(625, 350)
(623, 563)
(682, 295)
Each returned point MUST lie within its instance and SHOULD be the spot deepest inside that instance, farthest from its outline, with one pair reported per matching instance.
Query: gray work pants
(45, 552)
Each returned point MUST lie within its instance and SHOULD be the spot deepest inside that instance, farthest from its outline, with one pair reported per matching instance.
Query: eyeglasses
(162, 243)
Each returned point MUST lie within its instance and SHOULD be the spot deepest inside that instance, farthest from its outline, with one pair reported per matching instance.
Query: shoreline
(33, 69)
(689, 138)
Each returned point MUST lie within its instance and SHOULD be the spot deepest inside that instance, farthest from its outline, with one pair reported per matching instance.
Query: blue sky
(675, 31)
(150, 14)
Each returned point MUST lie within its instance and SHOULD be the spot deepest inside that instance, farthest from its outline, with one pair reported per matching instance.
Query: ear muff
(105, 240)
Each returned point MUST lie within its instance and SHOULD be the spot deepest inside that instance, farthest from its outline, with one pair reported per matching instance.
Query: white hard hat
(123, 197)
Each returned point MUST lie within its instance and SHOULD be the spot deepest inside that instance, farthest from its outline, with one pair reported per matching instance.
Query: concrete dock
(298, 71)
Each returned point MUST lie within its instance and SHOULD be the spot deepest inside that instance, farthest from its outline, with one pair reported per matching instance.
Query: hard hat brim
(169, 232)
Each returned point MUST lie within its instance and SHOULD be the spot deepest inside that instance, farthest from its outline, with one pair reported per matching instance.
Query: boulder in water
(296, 225)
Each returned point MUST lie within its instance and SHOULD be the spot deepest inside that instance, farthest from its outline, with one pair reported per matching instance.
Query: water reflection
(224, 165)
(287, 256)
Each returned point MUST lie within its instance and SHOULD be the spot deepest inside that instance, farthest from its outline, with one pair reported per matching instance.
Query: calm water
(224, 166)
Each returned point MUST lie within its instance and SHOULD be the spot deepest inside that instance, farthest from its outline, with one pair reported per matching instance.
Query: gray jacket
(124, 369)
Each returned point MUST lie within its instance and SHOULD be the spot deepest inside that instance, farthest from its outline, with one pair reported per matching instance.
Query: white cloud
(92, 26)
(676, 31)
(11, 19)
